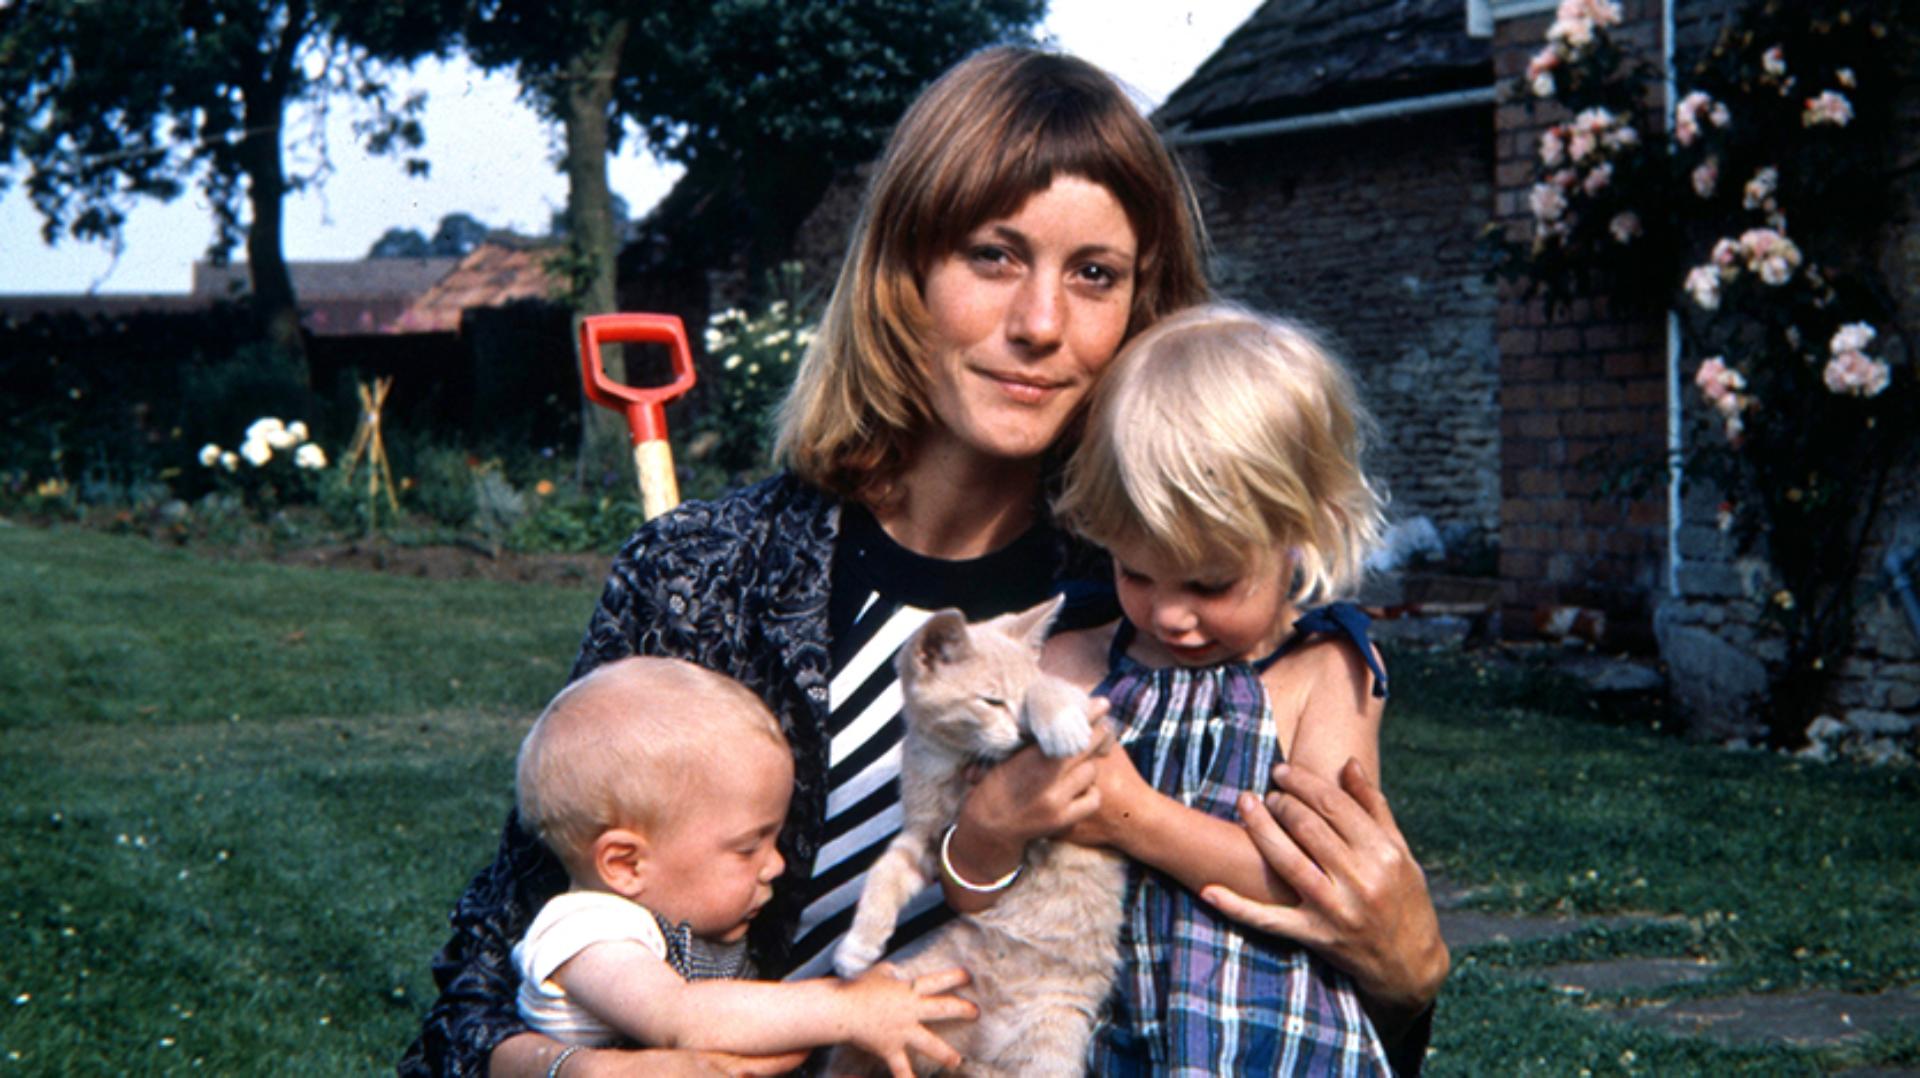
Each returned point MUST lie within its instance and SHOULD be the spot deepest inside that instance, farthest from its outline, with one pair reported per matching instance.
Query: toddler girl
(1220, 468)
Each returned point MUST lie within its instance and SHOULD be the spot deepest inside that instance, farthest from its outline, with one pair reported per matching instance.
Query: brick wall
(1369, 233)
(1583, 393)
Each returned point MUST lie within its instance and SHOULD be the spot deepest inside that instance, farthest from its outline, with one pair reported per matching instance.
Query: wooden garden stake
(368, 443)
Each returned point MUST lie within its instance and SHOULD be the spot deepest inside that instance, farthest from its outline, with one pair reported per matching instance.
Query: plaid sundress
(1199, 994)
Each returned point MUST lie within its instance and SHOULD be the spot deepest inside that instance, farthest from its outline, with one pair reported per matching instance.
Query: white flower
(1856, 374)
(1844, 76)
(1703, 284)
(1548, 202)
(257, 452)
(1852, 337)
(1726, 255)
(1624, 226)
(1542, 84)
(1621, 137)
(310, 457)
(1580, 144)
(266, 430)
(229, 461)
(1706, 177)
(1831, 107)
(1553, 148)
(297, 431)
(1761, 188)
(1774, 61)
(1598, 179)
(209, 455)
(732, 361)
(1575, 32)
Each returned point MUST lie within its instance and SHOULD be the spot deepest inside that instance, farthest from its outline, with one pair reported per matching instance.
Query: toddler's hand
(892, 1016)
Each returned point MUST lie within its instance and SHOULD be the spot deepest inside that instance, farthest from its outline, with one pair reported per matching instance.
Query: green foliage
(569, 523)
(1786, 123)
(755, 355)
(105, 102)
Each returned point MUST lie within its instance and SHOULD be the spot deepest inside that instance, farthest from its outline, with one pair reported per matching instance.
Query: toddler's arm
(628, 987)
(1339, 719)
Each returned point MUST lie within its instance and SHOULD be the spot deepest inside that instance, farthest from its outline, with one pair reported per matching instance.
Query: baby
(662, 788)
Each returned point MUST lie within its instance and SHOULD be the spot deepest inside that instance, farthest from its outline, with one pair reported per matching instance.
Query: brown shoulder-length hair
(983, 138)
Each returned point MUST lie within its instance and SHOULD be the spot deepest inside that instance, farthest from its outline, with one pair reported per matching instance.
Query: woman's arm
(628, 987)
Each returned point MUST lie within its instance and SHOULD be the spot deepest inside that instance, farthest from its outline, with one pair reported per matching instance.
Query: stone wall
(1369, 234)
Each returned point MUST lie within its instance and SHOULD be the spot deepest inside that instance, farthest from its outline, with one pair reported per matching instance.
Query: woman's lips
(1024, 390)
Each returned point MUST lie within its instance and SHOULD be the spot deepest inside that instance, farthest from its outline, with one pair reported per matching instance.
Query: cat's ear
(942, 641)
(1031, 625)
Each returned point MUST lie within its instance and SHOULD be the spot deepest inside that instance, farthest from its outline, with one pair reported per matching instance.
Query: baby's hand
(892, 1015)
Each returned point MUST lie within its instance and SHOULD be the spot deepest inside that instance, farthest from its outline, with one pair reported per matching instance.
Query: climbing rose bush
(1754, 215)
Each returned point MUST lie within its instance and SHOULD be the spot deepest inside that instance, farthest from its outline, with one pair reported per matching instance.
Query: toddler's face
(1194, 619)
(717, 862)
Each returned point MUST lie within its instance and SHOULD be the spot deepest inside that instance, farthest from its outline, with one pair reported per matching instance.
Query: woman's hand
(1364, 903)
(1027, 796)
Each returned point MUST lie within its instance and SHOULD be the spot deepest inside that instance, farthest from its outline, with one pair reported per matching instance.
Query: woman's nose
(1037, 315)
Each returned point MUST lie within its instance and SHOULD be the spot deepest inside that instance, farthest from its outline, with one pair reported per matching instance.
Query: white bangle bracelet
(946, 866)
(566, 1053)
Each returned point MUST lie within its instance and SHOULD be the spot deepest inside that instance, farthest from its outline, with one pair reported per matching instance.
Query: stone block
(1717, 686)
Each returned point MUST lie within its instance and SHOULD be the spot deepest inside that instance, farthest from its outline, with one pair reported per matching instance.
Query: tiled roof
(367, 278)
(490, 275)
(1297, 57)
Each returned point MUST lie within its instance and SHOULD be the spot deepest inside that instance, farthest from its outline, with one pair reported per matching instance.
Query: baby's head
(664, 782)
(1220, 438)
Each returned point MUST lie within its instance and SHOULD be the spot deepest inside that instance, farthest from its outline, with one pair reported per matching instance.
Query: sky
(493, 157)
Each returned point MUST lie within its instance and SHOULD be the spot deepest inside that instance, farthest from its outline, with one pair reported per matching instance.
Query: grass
(239, 799)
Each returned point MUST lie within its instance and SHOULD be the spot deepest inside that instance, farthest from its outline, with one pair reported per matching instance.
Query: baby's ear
(623, 860)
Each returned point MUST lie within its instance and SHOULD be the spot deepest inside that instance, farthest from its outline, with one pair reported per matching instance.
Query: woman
(1023, 223)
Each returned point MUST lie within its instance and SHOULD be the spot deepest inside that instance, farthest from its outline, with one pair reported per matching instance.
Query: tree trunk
(274, 303)
(585, 112)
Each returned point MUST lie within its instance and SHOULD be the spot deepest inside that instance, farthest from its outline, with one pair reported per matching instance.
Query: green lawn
(239, 799)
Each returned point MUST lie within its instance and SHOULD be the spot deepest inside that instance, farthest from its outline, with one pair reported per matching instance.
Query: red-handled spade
(646, 419)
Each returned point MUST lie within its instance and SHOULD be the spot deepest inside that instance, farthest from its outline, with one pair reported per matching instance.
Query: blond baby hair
(628, 745)
(1220, 434)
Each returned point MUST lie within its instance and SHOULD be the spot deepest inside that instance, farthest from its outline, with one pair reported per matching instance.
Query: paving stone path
(1810, 1019)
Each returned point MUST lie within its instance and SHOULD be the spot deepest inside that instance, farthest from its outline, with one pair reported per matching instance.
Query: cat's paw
(855, 956)
(1056, 713)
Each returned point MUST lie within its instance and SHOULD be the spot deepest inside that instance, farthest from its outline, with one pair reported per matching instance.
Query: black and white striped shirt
(881, 593)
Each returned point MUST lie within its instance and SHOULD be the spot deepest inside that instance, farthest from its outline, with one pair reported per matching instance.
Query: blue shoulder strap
(1344, 619)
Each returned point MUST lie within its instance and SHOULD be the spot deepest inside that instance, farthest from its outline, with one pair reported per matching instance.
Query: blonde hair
(983, 138)
(627, 746)
(1220, 435)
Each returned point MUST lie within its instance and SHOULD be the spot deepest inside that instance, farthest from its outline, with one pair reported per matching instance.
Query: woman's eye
(988, 256)
(1099, 276)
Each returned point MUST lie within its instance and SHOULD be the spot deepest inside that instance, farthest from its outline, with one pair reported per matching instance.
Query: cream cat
(1043, 958)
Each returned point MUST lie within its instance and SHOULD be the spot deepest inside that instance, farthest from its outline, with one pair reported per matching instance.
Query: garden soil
(445, 563)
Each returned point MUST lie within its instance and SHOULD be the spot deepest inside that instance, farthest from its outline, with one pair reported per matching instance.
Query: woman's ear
(622, 858)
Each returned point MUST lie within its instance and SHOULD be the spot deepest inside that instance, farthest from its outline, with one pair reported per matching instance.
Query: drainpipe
(1385, 110)
(1895, 564)
(1676, 414)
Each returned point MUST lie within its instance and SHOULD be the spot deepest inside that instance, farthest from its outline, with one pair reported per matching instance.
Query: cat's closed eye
(995, 702)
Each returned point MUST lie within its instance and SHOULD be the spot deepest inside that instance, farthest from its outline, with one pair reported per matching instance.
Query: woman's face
(1024, 316)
